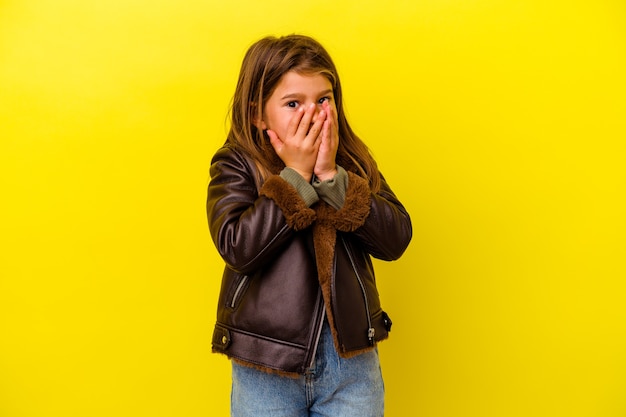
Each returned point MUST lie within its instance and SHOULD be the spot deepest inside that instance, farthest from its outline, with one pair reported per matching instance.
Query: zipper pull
(370, 335)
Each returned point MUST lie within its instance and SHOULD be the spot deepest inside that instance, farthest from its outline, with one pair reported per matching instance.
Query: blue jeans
(334, 387)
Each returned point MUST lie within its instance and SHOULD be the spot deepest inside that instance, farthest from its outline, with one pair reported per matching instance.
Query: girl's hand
(299, 149)
(325, 167)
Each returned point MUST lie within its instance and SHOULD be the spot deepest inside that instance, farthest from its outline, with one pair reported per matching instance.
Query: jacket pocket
(238, 290)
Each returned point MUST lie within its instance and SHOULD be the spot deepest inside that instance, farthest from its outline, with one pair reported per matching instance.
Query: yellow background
(500, 124)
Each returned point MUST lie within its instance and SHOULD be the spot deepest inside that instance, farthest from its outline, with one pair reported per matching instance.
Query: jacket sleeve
(249, 227)
(378, 220)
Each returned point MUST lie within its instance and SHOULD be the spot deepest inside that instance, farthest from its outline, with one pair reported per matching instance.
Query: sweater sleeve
(306, 190)
(333, 191)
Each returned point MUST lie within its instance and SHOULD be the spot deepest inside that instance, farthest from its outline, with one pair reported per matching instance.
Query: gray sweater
(332, 191)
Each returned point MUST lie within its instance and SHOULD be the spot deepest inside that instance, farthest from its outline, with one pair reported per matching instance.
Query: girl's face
(295, 90)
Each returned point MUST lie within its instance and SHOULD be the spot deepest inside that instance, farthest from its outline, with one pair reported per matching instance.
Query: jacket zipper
(371, 332)
(238, 291)
(317, 340)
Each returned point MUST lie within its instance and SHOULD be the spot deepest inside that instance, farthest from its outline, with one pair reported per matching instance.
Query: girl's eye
(323, 99)
(292, 104)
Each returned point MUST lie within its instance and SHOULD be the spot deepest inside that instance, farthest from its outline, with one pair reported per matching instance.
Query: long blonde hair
(264, 64)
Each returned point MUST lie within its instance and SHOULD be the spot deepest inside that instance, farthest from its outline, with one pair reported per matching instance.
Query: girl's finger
(332, 117)
(316, 129)
(326, 129)
(294, 123)
(275, 141)
(305, 121)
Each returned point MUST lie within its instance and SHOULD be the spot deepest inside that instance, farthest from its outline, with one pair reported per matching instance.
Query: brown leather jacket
(288, 266)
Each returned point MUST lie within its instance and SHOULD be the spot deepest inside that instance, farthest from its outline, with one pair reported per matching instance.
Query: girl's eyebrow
(299, 95)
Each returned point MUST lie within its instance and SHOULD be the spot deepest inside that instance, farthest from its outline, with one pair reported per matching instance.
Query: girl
(296, 207)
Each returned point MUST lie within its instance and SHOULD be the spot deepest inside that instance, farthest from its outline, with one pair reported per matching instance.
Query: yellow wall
(501, 125)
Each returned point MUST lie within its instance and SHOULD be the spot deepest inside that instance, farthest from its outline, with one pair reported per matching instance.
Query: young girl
(296, 207)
